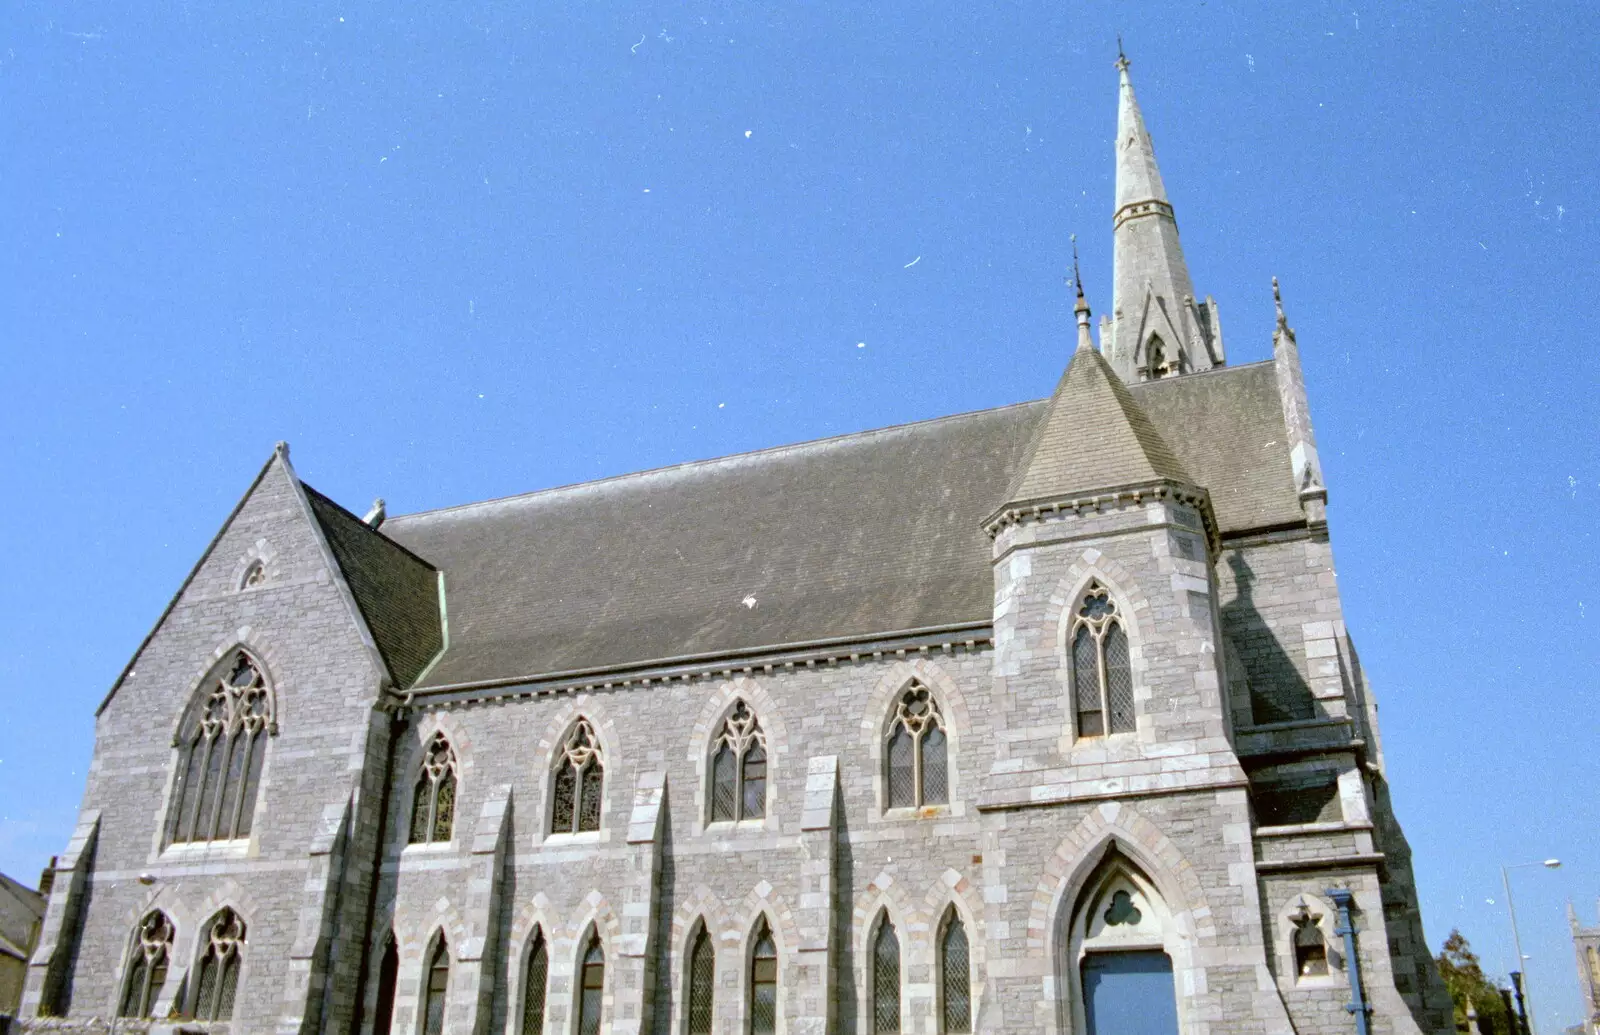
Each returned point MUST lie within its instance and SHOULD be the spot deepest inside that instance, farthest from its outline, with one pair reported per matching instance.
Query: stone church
(1038, 719)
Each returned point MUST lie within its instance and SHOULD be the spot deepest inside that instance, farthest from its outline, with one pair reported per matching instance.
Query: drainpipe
(1357, 1006)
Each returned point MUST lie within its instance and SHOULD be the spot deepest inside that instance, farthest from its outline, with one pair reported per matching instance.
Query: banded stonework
(1039, 719)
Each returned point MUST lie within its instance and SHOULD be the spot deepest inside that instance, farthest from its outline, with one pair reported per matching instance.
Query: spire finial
(1122, 59)
(1077, 279)
(1277, 302)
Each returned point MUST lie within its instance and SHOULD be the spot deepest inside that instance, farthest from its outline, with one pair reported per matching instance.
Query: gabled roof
(21, 912)
(866, 534)
(1093, 436)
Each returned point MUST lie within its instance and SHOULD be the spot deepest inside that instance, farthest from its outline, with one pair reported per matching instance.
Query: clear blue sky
(464, 250)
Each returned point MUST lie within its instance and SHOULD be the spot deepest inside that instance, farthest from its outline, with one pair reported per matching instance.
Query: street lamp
(1516, 939)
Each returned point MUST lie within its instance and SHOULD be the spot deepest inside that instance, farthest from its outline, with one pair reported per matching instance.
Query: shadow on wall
(1419, 983)
(1278, 691)
(844, 883)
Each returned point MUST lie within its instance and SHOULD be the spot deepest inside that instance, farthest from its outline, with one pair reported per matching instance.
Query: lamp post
(1516, 939)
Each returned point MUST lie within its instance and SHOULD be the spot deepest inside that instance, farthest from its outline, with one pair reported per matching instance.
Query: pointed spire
(1302, 440)
(1158, 329)
(1081, 308)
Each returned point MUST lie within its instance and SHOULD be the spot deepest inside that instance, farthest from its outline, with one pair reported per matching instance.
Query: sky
(459, 251)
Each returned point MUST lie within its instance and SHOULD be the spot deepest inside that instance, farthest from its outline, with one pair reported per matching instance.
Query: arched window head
(433, 809)
(739, 768)
(438, 982)
(885, 979)
(580, 779)
(254, 575)
(218, 981)
(1157, 363)
(1102, 676)
(955, 977)
(763, 981)
(917, 751)
(702, 983)
(221, 749)
(1310, 949)
(535, 982)
(148, 960)
(591, 986)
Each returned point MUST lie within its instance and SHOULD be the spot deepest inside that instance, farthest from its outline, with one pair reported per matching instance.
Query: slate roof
(1092, 436)
(864, 534)
(21, 913)
(397, 592)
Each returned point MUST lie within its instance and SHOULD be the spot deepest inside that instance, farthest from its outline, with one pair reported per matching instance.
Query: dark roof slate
(1092, 436)
(869, 533)
(397, 592)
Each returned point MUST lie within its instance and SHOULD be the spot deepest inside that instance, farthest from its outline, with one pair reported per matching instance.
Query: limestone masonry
(1036, 719)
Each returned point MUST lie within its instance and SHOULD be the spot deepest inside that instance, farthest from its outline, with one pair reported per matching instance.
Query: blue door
(1129, 993)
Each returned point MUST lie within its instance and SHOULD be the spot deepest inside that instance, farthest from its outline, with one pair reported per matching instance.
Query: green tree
(1463, 976)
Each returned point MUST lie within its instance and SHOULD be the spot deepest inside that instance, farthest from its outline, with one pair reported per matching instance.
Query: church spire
(1156, 327)
(1081, 308)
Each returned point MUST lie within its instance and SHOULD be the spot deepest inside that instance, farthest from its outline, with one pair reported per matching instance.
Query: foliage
(1463, 976)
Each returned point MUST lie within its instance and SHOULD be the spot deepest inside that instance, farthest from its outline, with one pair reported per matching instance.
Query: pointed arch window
(388, 984)
(433, 808)
(886, 980)
(955, 978)
(763, 981)
(535, 982)
(222, 748)
(1310, 948)
(702, 983)
(739, 768)
(218, 981)
(591, 987)
(917, 751)
(1102, 675)
(255, 575)
(580, 779)
(148, 961)
(438, 982)
(1157, 364)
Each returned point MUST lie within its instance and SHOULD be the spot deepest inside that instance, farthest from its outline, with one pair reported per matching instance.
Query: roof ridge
(708, 461)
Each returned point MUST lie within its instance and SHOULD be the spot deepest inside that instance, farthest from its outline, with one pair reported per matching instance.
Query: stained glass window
(433, 809)
(438, 984)
(579, 782)
(218, 981)
(764, 982)
(148, 961)
(955, 1007)
(1102, 672)
(886, 980)
(702, 984)
(221, 750)
(917, 752)
(534, 981)
(592, 983)
(739, 767)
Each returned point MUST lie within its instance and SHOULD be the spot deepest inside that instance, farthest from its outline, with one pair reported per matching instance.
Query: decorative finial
(1122, 59)
(282, 449)
(1277, 302)
(376, 515)
(1077, 278)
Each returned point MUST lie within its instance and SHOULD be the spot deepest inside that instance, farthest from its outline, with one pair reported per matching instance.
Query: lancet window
(1310, 948)
(222, 747)
(886, 980)
(579, 781)
(591, 987)
(955, 978)
(438, 978)
(218, 981)
(702, 984)
(535, 982)
(388, 986)
(1102, 676)
(917, 751)
(763, 981)
(739, 768)
(433, 807)
(148, 960)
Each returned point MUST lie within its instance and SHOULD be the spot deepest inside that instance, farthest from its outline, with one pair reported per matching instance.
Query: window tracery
(254, 575)
(763, 982)
(218, 981)
(886, 980)
(221, 753)
(148, 961)
(1102, 674)
(702, 984)
(438, 984)
(955, 978)
(592, 983)
(580, 779)
(535, 982)
(433, 808)
(739, 768)
(917, 751)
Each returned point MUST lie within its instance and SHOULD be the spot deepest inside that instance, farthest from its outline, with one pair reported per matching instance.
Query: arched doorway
(1120, 942)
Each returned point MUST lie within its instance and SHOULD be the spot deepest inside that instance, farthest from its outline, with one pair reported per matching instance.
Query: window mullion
(200, 789)
(222, 789)
(1105, 690)
(246, 741)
